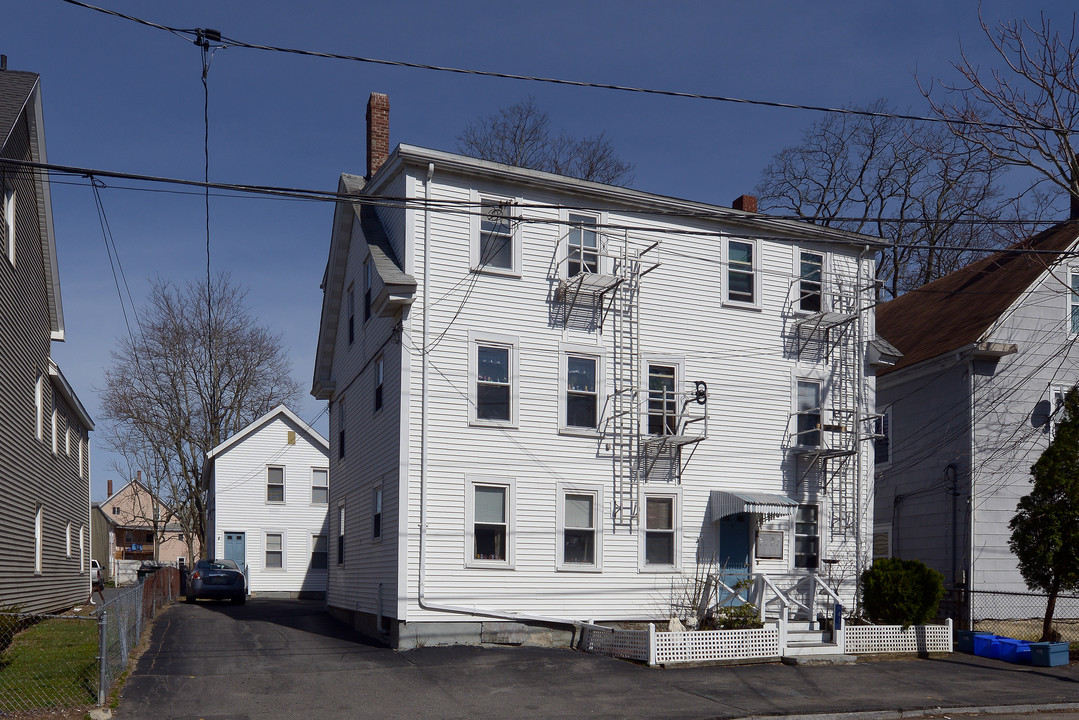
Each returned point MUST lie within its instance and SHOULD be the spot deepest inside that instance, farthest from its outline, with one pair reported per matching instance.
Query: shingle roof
(15, 89)
(959, 308)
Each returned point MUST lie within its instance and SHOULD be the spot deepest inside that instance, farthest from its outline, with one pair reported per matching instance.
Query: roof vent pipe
(3, 62)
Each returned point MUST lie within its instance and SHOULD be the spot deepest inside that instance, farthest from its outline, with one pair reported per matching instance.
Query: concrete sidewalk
(287, 659)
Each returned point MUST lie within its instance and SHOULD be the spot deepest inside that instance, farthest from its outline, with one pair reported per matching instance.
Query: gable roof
(385, 262)
(957, 309)
(265, 419)
(21, 92)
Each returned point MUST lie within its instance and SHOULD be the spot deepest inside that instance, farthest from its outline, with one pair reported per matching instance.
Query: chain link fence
(1020, 615)
(71, 661)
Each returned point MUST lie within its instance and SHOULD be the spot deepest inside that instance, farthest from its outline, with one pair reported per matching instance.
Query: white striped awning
(726, 502)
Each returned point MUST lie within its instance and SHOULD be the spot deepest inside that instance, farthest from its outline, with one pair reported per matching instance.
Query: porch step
(809, 637)
(833, 659)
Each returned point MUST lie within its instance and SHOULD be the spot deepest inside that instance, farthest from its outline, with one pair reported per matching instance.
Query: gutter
(424, 376)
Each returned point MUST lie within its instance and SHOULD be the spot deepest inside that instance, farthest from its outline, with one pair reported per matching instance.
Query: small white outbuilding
(267, 489)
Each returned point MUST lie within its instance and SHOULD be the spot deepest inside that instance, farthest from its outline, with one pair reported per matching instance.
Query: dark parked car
(218, 579)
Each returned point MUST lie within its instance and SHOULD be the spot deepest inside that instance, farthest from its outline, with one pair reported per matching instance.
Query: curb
(924, 713)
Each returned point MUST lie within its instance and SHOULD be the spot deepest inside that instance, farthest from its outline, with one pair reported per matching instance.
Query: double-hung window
(7, 222)
(275, 551)
(318, 552)
(496, 236)
(582, 245)
(341, 427)
(367, 281)
(882, 440)
(660, 529)
(806, 538)
(379, 374)
(662, 403)
(320, 486)
(275, 484)
(1073, 299)
(39, 521)
(578, 528)
(39, 408)
(489, 515)
(340, 534)
(351, 314)
(55, 439)
(376, 513)
(742, 260)
(493, 380)
(809, 413)
(810, 281)
(582, 400)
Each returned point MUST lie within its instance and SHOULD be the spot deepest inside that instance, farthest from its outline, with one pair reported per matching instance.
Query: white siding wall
(241, 505)
(738, 352)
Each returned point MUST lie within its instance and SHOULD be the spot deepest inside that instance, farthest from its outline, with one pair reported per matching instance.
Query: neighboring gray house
(987, 352)
(44, 455)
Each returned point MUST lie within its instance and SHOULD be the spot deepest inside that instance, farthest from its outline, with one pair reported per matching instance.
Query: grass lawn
(52, 664)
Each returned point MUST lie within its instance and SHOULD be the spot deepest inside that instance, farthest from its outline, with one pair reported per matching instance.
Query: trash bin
(147, 569)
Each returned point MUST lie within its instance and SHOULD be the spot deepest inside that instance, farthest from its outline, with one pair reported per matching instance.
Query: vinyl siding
(30, 474)
(239, 482)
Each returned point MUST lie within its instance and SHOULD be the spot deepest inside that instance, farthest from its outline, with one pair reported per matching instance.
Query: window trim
(565, 350)
(475, 340)
(368, 281)
(55, 439)
(510, 485)
(678, 363)
(82, 468)
(475, 230)
(266, 550)
(268, 484)
(643, 565)
(380, 376)
(67, 540)
(340, 427)
(67, 440)
(600, 219)
(797, 416)
(351, 298)
(755, 271)
(82, 549)
(341, 518)
(39, 532)
(39, 409)
(598, 509)
(325, 485)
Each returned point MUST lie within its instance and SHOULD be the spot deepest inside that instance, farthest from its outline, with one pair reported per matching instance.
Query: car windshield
(218, 565)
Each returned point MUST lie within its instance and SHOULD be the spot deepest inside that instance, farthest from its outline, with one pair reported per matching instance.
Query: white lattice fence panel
(629, 644)
(705, 645)
(867, 639)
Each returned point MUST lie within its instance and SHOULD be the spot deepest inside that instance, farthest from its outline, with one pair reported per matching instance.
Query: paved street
(287, 659)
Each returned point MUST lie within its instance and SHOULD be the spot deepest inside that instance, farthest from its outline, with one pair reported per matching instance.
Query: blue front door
(234, 548)
(733, 563)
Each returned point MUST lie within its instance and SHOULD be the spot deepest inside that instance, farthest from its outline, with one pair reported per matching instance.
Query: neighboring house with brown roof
(141, 528)
(44, 429)
(987, 352)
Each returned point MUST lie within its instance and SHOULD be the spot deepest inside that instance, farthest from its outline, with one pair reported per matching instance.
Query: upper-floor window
(743, 272)
(882, 442)
(320, 486)
(496, 236)
(810, 281)
(809, 413)
(7, 222)
(341, 427)
(582, 245)
(55, 439)
(582, 399)
(376, 513)
(662, 404)
(67, 441)
(115, 509)
(82, 466)
(367, 280)
(275, 484)
(379, 368)
(493, 379)
(351, 314)
(39, 408)
(1074, 299)
(341, 534)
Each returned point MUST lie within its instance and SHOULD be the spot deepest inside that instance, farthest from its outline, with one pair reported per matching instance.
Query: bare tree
(520, 134)
(932, 195)
(1024, 113)
(199, 370)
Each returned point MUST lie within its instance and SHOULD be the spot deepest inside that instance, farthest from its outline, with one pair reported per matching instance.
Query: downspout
(420, 597)
(972, 497)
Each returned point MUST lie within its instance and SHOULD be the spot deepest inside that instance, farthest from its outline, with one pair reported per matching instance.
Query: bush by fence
(70, 661)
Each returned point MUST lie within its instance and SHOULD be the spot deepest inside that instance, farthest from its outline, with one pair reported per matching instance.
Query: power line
(194, 36)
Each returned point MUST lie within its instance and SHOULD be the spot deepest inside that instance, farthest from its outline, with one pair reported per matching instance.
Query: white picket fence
(670, 648)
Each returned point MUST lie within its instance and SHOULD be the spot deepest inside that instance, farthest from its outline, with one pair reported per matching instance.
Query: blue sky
(123, 97)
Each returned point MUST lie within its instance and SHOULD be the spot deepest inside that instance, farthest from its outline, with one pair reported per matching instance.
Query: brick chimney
(747, 203)
(378, 132)
(110, 487)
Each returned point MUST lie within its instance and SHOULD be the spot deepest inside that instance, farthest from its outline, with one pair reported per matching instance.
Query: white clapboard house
(267, 497)
(554, 400)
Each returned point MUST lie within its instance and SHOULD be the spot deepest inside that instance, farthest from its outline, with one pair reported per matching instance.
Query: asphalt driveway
(288, 659)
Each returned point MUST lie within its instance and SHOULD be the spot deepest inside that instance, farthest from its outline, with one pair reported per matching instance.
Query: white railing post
(951, 635)
(783, 633)
(651, 644)
(813, 602)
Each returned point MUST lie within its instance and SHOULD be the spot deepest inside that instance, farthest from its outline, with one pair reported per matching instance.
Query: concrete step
(810, 649)
(834, 659)
(804, 637)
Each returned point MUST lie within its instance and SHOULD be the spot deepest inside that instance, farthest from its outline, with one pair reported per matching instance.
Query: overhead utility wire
(192, 35)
